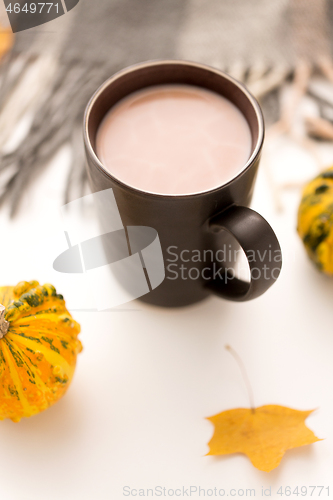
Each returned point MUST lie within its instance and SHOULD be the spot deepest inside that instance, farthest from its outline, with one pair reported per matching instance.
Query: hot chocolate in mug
(201, 231)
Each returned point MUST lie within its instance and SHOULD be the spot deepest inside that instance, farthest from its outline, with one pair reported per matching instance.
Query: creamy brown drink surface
(174, 139)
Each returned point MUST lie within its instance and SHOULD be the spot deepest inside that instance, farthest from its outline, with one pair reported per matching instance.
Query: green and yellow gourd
(315, 221)
(38, 349)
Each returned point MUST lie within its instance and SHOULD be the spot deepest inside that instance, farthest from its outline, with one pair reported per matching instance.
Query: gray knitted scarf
(53, 69)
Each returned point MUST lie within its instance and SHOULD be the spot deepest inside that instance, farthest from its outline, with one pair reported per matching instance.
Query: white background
(147, 377)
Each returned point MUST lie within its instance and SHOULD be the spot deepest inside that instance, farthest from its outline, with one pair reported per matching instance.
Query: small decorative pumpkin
(315, 221)
(38, 349)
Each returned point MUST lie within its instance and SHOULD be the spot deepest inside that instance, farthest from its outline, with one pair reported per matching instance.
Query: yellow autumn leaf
(264, 434)
(6, 40)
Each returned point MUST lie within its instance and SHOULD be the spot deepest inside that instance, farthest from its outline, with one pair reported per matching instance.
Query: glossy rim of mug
(161, 62)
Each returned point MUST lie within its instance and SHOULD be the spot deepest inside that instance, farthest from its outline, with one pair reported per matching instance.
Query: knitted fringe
(55, 105)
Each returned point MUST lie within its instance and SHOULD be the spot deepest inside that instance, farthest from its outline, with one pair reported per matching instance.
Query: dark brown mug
(192, 224)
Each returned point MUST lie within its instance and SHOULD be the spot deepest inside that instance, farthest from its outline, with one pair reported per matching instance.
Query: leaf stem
(4, 325)
(244, 374)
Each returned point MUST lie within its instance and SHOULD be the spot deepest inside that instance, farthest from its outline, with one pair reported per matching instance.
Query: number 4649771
(304, 491)
(32, 8)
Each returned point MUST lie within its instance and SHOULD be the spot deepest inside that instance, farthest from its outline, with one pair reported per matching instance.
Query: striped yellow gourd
(38, 349)
(315, 221)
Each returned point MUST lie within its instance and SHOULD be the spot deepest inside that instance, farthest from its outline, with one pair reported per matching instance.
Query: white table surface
(147, 377)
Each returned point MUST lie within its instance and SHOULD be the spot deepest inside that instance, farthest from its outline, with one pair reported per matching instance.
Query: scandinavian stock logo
(121, 263)
(24, 15)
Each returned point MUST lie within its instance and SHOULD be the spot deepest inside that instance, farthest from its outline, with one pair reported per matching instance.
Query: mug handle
(258, 241)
